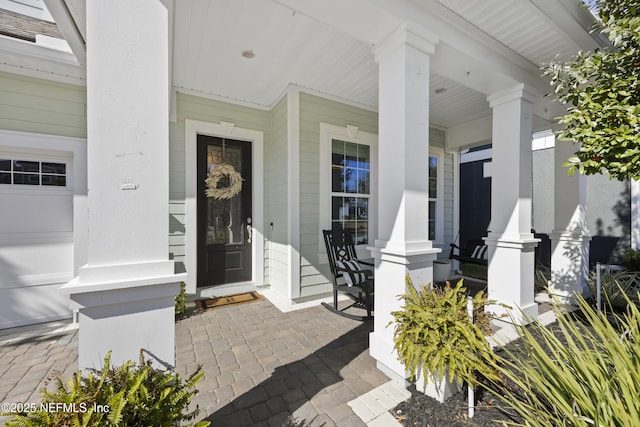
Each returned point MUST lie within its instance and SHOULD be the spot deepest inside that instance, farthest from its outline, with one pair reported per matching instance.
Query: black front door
(224, 218)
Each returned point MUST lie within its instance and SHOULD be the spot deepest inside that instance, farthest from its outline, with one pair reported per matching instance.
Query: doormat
(243, 298)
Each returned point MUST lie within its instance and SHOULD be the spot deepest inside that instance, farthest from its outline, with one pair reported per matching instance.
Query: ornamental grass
(584, 372)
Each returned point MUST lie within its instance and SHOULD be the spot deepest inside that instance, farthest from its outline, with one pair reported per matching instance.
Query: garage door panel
(25, 306)
(35, 260)
(36, 213)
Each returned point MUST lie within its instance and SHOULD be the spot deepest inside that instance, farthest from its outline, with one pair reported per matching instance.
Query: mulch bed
(423, 411)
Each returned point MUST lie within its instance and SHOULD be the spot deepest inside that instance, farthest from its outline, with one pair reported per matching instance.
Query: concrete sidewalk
(263, 367)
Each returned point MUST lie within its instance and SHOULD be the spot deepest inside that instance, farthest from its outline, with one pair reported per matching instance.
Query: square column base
(391, 269)
(126, 317)
(510, 277)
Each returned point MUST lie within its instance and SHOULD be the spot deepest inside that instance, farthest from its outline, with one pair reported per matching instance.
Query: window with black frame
(34, 173)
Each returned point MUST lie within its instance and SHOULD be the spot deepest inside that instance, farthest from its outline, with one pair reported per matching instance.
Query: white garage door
(36, 235)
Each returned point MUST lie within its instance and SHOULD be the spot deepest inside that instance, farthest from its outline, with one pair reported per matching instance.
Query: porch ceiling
(312, 45)
(296, 43)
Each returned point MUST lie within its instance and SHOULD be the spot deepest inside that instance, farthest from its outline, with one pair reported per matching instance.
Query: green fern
(181, 302)
(135, 395)
(433, 332)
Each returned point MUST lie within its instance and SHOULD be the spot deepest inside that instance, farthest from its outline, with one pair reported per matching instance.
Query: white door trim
(193, 128)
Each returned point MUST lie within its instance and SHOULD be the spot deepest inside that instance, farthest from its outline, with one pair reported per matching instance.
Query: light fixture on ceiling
(248, 54)
(441, 90)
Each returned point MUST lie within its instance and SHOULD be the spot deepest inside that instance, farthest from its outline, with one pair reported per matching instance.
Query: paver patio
(262, 367)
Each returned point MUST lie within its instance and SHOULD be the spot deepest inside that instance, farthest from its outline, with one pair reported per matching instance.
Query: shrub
(128, 395)
(181, 302)
(631, 259)
(433, 332)
(618, 288)
(583, 374)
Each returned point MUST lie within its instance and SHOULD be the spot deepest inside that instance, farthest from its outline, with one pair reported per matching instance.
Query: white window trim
(42, 156)
(438, 153)
(329, 132)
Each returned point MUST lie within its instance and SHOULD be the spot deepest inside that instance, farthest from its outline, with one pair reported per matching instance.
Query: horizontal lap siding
(177, 233)
(29, 104)
(276, 196)
(314, 278)
(206, 110)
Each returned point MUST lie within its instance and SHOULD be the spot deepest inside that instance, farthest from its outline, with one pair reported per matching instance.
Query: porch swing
(474, 252)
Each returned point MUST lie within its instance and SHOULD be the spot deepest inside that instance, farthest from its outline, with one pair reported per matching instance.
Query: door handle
(249, 230)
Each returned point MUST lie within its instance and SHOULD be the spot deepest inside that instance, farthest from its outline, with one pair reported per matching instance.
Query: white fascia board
(572, 19)
(475, 156)
(25, 58)
(69, 29)
(25, 48)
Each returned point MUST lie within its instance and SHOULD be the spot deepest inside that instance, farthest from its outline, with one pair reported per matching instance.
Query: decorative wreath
(235, 182)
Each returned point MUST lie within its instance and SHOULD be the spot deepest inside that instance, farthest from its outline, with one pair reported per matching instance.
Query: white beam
(469, 134)
(570, 18)
(635, 214)
(362, 19)
(66, 24)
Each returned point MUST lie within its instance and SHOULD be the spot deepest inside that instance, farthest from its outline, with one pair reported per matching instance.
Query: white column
(125, 291)
(570, 237)
(510, 241)
(403, 245)
(635, 214)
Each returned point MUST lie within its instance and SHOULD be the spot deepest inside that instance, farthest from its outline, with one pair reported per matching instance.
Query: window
(28, 172)
(436, 194)
(351, 188)
(433, 196)
(348, 184)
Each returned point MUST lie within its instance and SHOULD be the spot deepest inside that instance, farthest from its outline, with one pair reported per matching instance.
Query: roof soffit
(488, 65)
(466, 55)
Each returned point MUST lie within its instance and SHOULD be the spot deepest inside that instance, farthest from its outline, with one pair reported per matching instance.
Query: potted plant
(437, 341)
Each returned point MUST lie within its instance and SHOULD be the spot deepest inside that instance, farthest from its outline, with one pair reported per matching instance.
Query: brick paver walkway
(262, 367)
(27, 361)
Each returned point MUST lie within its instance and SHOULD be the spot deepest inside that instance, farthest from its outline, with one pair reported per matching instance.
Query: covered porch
(394, 73)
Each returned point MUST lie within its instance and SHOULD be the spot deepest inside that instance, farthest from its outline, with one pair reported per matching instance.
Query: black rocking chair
(348, 275)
